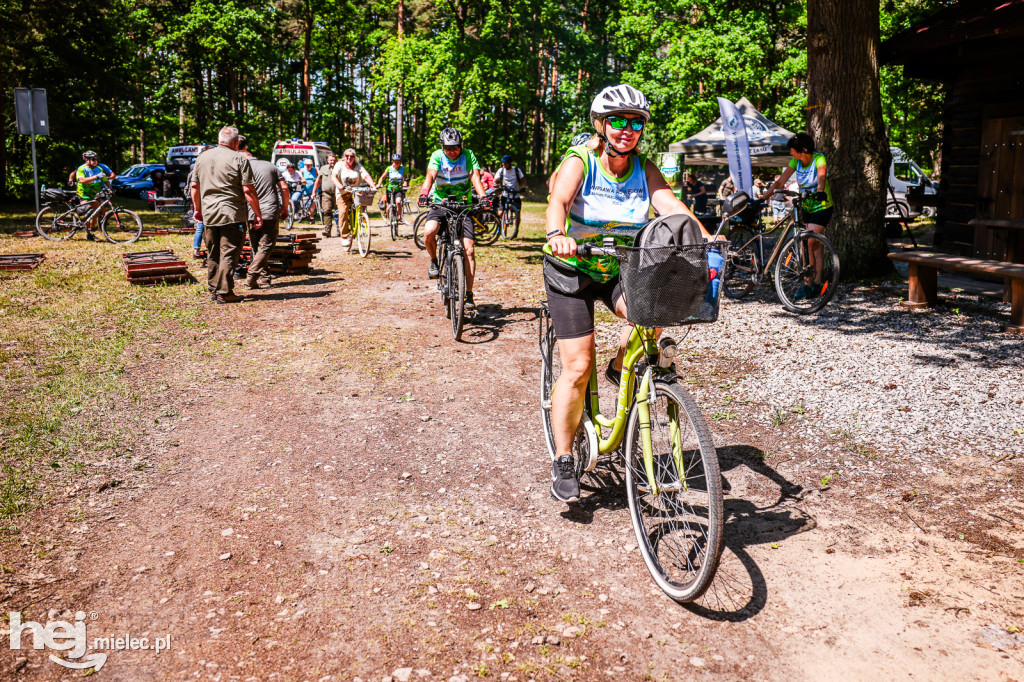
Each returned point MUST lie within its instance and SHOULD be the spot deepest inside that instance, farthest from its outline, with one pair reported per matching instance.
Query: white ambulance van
(297, 151)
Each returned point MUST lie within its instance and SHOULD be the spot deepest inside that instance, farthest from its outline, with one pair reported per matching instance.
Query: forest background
(129, 78)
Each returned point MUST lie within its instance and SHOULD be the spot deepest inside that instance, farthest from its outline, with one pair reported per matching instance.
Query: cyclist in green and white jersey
(90, 178)
(811, 173)
(398, 182)
(603, 188)
(452, 173)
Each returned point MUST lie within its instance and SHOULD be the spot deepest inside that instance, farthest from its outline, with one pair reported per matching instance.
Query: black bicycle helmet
(89, 155)
(450, 137)
(396, 157)
(507, 158)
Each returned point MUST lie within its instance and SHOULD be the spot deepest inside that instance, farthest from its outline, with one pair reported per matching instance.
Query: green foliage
(130, 79)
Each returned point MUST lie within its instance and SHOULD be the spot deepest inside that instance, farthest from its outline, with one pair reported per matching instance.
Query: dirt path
(327, 487)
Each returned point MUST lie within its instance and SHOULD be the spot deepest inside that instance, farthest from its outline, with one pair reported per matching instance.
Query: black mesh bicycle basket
(673, 285)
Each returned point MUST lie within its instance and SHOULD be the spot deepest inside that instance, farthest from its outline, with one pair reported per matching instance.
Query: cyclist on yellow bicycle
(599, 192)
(452, 173)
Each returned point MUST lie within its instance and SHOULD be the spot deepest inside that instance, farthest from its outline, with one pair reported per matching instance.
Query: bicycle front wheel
(794, 269)
(510, 223)
(678, 521)
(289, 222)
(393, 221)
(457, 293)
(121, 226)
(363, 234)
(57, 222)
(417, 230)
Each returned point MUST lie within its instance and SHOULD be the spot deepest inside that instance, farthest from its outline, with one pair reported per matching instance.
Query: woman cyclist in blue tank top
(603, 188)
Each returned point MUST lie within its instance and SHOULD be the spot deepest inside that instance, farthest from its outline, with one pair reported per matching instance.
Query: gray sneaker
(564, 486)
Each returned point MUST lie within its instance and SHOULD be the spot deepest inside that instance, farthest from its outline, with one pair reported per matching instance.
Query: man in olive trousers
(222, 185)
(272, 191)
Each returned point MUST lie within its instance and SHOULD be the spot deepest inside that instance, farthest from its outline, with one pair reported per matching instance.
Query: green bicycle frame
(642, 341)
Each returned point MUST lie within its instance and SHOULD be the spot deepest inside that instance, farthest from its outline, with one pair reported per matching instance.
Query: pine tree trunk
(845, 118)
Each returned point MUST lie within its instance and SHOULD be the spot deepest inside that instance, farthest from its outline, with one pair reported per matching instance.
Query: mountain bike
(485, 227)
(66, 213)
(310, 212)
(747, 265)
(390, 212)
(657, 434)
(451, 280)
(509, 213)
(358, 221)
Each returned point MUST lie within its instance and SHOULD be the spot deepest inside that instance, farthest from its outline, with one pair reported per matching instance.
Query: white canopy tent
(767, 141)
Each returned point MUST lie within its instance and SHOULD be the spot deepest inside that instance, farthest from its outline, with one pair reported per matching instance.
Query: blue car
(137, 180)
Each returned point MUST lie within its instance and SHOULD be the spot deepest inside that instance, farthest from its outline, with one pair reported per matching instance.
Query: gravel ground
(871, 388)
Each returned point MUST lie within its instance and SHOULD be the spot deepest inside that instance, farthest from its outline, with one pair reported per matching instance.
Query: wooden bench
(924, 269)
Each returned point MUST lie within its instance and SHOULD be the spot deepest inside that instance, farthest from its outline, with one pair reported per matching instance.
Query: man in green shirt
(452, 173)
(222, 185)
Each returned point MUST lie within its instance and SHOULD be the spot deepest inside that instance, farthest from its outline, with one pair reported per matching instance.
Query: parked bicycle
(65, 213)
(657, 434)
(747, 265)
(510, 217)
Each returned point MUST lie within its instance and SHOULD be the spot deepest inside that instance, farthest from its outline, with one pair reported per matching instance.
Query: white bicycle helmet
(580, 138)
(619, 99)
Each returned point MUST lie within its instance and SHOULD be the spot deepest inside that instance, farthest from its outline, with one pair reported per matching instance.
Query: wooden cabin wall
(988, 84)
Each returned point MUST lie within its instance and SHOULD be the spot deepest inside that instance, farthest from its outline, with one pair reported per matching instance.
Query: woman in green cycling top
(603, 188)
(398, 182)
(811, 173)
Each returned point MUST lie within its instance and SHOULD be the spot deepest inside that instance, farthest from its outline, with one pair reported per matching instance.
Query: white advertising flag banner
(737, 147)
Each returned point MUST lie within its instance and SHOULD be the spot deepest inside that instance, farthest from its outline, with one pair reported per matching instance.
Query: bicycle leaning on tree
(792, 257)
(65, 213)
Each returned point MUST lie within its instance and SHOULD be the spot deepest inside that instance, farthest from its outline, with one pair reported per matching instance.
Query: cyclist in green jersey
(90, 178)
(398, 183)
(603, 188)
(811, 173)
(452, 173)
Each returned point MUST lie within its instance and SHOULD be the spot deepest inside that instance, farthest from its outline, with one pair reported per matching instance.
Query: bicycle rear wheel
(679, 527)
(409, 208)
(363, 234)
(741, 266)
(794, 267)
(58, 222)
(457, 292)
(417, 230)
(121, 226)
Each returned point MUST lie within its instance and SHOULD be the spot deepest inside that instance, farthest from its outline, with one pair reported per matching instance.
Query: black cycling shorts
(818, 217)
(441, 216)
(396, 195)
(571, 296)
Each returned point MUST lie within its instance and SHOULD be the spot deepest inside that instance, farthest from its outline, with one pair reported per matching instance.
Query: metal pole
(35, 170)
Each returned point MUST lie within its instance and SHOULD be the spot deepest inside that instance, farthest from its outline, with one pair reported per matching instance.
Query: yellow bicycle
(358, 221)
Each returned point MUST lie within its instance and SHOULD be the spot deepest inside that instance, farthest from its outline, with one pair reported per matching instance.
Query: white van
(297, 151)
(904, 175)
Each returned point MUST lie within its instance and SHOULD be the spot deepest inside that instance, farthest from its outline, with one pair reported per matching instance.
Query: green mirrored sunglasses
(619, 123)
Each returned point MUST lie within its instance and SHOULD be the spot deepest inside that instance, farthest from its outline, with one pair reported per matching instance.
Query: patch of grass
(777, 416)
(724, 415)
(71, 332)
